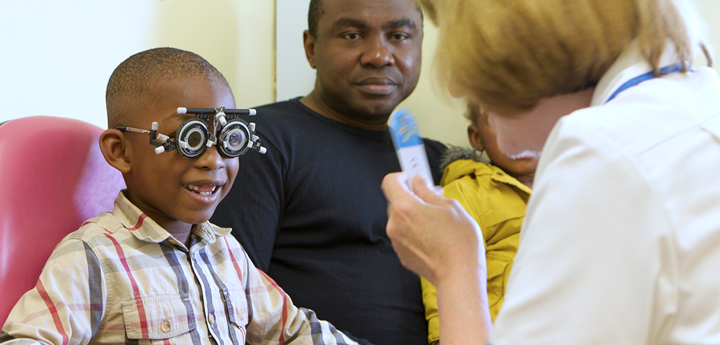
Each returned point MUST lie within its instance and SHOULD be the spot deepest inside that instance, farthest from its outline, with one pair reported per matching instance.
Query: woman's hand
(432, 235)
(437, 239)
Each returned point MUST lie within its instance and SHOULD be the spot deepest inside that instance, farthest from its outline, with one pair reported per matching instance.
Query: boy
(155, 269)
(495, 194)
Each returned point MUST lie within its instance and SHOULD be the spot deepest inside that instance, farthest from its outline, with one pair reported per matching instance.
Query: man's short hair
(316, 10)
(512, 54)
(135, 78)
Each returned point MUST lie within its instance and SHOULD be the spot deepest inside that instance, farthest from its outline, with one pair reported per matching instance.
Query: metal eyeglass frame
(233, 135)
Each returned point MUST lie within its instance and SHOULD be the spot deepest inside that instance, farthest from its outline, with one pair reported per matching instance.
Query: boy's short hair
(134, 79)
(511, 54)
(472, 111)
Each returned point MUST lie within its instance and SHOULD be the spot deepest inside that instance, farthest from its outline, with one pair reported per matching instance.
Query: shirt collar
(630, 64)
(145, 229)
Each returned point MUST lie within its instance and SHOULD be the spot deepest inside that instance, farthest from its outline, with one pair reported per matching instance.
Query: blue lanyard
(647, 76)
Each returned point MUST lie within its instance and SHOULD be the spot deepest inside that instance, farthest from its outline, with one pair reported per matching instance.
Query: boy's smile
(176, 191)
(203, 190)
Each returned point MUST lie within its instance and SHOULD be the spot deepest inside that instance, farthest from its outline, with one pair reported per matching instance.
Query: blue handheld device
(409, 146)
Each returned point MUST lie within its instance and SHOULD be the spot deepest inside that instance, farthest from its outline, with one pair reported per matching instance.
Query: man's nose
(378, 53)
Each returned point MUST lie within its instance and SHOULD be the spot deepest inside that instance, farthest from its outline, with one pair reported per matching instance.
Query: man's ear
(475, 138)
(114, 147)
(309, 44)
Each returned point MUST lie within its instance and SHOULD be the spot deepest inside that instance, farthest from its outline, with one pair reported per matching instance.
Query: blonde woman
(621, 238)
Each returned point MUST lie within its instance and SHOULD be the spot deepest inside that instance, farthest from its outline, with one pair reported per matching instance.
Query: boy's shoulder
(490, 195)
(95, 235)
(104, 224)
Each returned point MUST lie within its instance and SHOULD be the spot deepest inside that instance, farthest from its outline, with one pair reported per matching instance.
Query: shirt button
(211, 319)
(165, 326)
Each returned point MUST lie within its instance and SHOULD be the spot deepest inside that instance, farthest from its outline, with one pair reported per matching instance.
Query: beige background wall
(56, 56)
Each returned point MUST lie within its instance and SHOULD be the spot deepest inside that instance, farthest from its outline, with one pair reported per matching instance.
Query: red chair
(52, 178)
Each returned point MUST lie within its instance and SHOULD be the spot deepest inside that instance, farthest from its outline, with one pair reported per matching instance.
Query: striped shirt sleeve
(277, 320)
(67, 303)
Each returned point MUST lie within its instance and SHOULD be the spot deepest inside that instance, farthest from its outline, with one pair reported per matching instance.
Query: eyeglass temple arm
(156, 138)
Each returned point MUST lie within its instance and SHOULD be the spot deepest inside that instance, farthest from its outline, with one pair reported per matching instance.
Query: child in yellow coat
(495, 194)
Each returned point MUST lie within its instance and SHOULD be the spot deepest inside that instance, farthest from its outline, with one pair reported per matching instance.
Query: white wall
(294, 75)
(56, 56)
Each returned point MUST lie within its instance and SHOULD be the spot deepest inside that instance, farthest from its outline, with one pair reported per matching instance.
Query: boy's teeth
(197, 188)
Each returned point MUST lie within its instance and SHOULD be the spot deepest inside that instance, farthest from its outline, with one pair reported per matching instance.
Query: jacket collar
(461, 161)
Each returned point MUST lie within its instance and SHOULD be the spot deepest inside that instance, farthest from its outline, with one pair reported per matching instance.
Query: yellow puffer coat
(497, 201)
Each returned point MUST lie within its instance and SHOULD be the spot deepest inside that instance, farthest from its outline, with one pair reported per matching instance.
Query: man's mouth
(202, 190)
(378, 89)
(380, 85)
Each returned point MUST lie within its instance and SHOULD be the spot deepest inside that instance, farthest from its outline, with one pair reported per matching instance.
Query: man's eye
(352, 36)
(400, 36)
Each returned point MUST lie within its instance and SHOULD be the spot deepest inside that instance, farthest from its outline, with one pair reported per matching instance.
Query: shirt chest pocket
(159, 318)
(237, 307)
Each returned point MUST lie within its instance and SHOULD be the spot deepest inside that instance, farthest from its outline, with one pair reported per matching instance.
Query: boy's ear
(309, 44)
(475, 138)
(114, 146)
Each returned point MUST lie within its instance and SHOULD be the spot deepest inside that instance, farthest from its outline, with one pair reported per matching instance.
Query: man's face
(367, 54)
(169, 187)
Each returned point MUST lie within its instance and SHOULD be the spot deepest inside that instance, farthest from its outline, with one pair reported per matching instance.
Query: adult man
(317, 218)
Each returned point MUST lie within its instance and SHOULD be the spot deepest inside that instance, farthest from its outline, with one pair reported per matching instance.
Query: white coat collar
(630, 64)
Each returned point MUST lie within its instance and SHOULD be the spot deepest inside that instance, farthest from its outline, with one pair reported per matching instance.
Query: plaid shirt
(121, 278)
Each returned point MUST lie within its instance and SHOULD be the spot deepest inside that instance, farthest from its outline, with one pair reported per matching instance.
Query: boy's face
(526, 132)
(482, 135)
(169, 188)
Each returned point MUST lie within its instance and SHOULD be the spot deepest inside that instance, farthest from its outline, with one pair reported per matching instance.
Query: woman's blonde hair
(509, 54)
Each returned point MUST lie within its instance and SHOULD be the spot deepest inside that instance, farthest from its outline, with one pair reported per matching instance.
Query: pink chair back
(52, 178)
